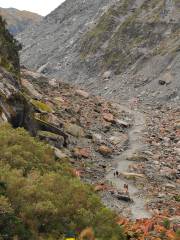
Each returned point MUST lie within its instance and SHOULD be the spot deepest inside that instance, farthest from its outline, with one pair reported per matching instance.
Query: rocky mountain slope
(37, 180)
(121, 49)
(41, 195)
(18, 20)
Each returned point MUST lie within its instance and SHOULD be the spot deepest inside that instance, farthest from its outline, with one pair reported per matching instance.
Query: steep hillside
(9, 47)
(41, 196)
(19, 20)
(123, 49)
(82, 138)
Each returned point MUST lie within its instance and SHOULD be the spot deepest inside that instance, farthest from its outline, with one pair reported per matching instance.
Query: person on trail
(117, 173)
(114, 174)
(126, 191)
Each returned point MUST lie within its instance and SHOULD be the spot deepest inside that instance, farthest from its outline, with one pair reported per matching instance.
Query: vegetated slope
(131, 48)
(40, 194)
(9, 58)
(19, 20)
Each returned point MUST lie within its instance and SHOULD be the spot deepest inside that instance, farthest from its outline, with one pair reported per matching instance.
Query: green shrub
(166, 223)
(9, 47)
(41, 197)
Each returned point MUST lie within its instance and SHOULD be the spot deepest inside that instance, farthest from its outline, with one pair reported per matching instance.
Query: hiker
(126, 189)
(117, 173)
(114, 174)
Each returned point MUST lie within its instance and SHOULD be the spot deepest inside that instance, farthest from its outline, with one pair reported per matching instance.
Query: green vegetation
(119, 42)
(9, 48)
(39, 196)
(177, 234)
(177, 198)
(42, 107)
(107, 24)
(166, 223)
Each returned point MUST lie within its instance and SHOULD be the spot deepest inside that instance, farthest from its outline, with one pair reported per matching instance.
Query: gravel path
(121, 163)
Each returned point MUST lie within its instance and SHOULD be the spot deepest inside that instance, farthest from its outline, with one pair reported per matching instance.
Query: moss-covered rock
(41, 106)
(52, 138)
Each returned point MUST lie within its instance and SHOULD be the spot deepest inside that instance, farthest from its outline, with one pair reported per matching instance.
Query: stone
(107, 75)
(74, 130)
(168, 172)
(177, 150)
(105, 150)
(108, 117)
(137, 157)
(82, 152)
(59, 154)
(30, 88)
(82, 93)
(53, 82)
(123, 197)
(100, 187)
(122, 123)
(119, 139)
(41, 106)
(132, 175)
(162, 82)
(171, 186)
(52, 138)
(97, 138)
(177, 124)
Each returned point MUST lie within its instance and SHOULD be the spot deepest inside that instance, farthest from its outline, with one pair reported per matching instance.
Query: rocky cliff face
(18, 20)
(123, 49)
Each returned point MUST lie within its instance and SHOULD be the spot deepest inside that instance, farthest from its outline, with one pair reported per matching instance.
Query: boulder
(121, 138)
(30, 89)
(162, 82)
(107, 75)
(170, 186)
(82, 152)
(105, 150)
(138, 157)
(53, 82)
(122, 123)
(59, 154)
(168, 172)
(52, 138)
(108, 117)
(82, 93)
(177, 125)
(97, 138)
(41, 106)
(132, 175)
(74, 130)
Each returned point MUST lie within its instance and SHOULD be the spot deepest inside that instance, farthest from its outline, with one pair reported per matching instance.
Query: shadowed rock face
(133, 42)
(18, 20)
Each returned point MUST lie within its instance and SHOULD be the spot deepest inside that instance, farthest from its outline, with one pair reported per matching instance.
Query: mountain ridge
(18, 20)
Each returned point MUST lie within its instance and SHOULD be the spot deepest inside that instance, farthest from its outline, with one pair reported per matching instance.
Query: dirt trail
(121, 164)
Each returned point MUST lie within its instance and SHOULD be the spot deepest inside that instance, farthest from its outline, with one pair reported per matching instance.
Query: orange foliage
(147, 229)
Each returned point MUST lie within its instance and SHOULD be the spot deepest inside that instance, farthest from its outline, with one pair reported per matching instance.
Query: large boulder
(105, 150)
(52, 138)
(74, 130)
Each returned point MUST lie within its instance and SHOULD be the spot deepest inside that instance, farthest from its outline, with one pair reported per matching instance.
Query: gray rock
(54, 48)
